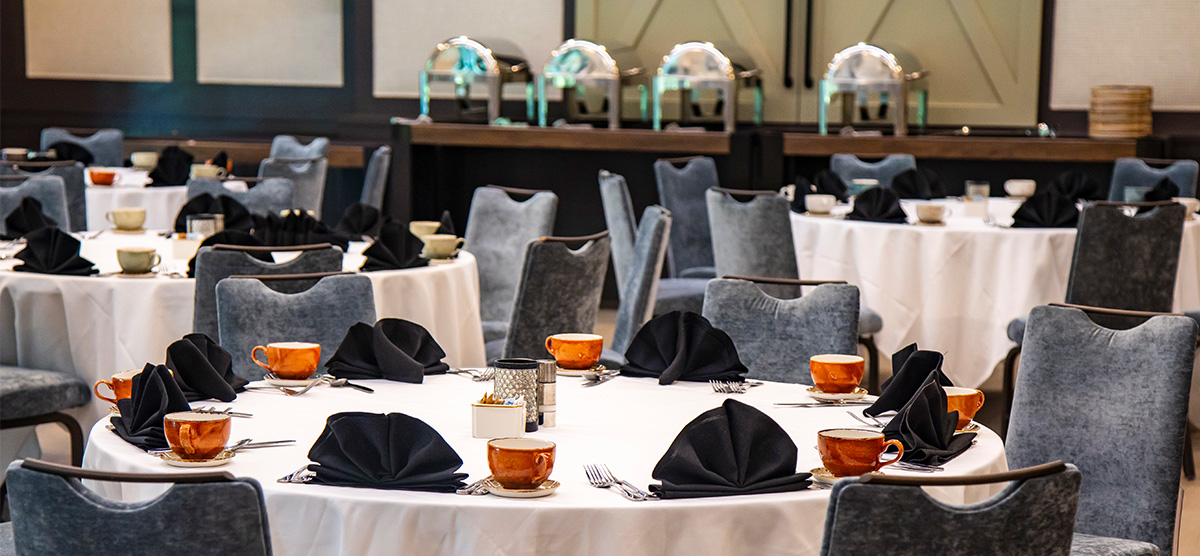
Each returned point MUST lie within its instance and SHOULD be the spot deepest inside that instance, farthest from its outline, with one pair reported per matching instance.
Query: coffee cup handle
(458, 245)
(185, 438)
(880, 464)
(550, 345)
(116, 178)
(155, 260)
(109, 217)
(979, 405)
(541, 461)
(221, 172)
(260, 363)
(96, 390)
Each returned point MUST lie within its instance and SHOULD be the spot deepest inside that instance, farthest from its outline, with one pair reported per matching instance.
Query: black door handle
(787, 46)
(808, 27)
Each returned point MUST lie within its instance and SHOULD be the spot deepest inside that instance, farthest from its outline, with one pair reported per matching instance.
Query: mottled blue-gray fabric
(1028, 517)
(622, 226)
(106, 145)
(7, 546)
(1016, 330)
(649, 253)
(1135, 172)
(1114, 403)
(1195, 315)
(287, 146)
(754, 238)
(227, 518)
(681, 191)
(1091, 545)
(76, 190)
(498, 230)
(308, 180)
(48, 190)
(869, 322)
(680, 294)
(559, 292)
(29, 392)
(249, 313)
(849, 167)
(377, 177)
(270, 196)
(775, 337)
(494, 330)
(212, 266)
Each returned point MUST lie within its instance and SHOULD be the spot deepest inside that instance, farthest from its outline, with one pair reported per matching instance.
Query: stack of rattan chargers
(1120, 111)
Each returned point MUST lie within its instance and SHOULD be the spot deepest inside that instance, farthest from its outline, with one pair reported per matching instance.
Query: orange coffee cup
(103, 177)
(194, 435)
(575, 351)
(121, 386)
(853, 452)
(966, 401)
(520, 463)
(834, 373)
(289, 360)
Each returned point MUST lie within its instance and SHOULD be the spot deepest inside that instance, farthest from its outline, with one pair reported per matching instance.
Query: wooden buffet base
(575, 139)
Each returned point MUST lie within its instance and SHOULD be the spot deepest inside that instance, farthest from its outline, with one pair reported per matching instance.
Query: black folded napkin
(447, 226)
(236, 215)
(393, 249)
(72, 151)
(27, 217)
(683, 346)
(174, 165)
(803, 189)
(154, 395)
(393, 451)
(925, 427)
(360, 219)
(203, 369)
(918, 183)
(1075, 185)
(910, 368)
(878, 204)
(1046, 209)
(829, 183)
(729, 450)
(50, 250)
(1164, 190)
(296, 228)
(221, 160)
(230, 237)
(394, 349)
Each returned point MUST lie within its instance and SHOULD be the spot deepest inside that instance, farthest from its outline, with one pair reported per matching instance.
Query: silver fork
(608, 475)
(722, 387)
(478, 376)
(863, 421)
(302, 475)
(597, 480)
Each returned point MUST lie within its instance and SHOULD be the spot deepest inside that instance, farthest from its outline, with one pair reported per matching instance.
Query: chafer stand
(864, 69)
(692, 66)
(576, 64)
(463, 61)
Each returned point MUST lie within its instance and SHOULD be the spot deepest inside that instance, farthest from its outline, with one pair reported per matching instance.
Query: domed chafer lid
(698, 61)
(866, 64)
(463, 56)
(581, 59)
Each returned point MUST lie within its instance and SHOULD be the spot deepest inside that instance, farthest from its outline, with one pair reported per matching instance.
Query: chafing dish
(577, 64)
(463, 61)
(862, 69)
(692, 66)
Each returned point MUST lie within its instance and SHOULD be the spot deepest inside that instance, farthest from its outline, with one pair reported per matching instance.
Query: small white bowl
(819, 204)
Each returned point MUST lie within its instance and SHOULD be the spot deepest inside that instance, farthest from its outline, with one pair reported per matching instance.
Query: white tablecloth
(95, 326)
(627, 424)
(162, 203)
(954, 288)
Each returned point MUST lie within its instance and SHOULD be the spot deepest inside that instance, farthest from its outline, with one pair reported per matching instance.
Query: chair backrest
(622, 224)
(1032, 515)
(641, 278)
(287, 146)
(849, 167)
(270, 196)
(106, 145)
(498, 230)
(307, 175)
(681, 191)
(250, 313)
(559, 291)
(776, 337)
(1126, 262)
(48, 190)
(47, 502)
(754, 238)
(377, 176)
(1134, 172)
(216, 264)
(76, 188)
(1112, 402)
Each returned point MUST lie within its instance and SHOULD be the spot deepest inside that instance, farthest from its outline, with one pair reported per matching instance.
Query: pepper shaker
(547, 392)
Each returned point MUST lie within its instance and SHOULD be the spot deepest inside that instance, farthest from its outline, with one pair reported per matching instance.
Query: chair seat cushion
(869, 322)
(1016, 330)
(494, 330)
(29, 392)
(680, 294)
(699, 272)
(1091, 545)
(612, 359)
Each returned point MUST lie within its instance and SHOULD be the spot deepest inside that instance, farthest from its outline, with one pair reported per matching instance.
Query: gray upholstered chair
(1134, 172)
(251, 313)
(775, 337)
(1119, 262)
(1113, 402)
(674, 294)
(72, 176)
(270, 196)
(498, 230)
(219, 262)
(30, 397)
(377, 177)
(681, 191)
(849, 167)
(307, 175)
(48, 190)
(641, 282)
(559, 292)
(1032, 515)
(201, 513)
(287, 146)
(106, 145)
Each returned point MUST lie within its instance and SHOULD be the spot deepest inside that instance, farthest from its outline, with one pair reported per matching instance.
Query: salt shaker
(519, 377)
(547, 392)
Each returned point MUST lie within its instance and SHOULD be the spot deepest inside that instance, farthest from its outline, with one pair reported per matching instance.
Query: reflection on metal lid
(697, 60)
(864, 63)
(581, 59)
(463, 56)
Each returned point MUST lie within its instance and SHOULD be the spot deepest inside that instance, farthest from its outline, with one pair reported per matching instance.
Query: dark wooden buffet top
(1060, 149)
(575, 139)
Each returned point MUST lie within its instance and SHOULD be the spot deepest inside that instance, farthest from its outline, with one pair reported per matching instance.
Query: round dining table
(625, 423)
(95, 326)
(955, 287)
(162, 202)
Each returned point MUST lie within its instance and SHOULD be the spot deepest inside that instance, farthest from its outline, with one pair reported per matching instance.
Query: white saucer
(170, 458)
(822, 476)
(545, 489)
(142, 275)
(920, 223)
(290, 383)
(820, 396)
(585, 373)
(822, 215)
(119, 231)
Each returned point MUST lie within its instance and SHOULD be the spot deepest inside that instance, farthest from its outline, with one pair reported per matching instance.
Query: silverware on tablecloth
(861, 420)
(475, 487)
(302, 475)
(342, 382)
(236, 446)
(724, 387)
(604, 472)
(483, 375)
(819, 404)
(598, 480)
(601, 378)
(917, 467)
(227, 411)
